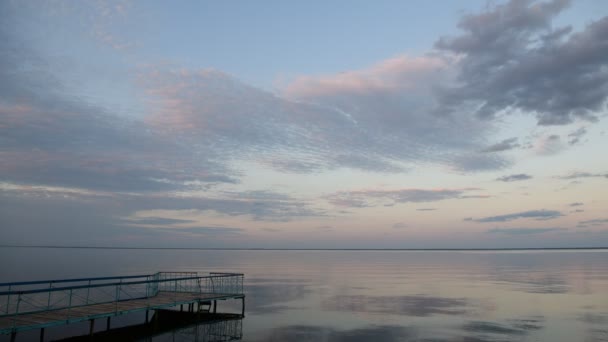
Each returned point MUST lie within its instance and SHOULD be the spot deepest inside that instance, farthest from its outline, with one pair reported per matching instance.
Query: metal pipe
(69, 304)
(8, 299)
(88, 290)
(48, 304)
(16, 311)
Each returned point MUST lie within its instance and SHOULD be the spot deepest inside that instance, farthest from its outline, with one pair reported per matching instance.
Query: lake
(539, 295)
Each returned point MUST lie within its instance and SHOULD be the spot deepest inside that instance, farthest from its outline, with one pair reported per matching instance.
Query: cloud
(594, 222)
(549, 145)
(512, 58)
(398, 73)
(50, 137)
(158, 221)
(206, 231)
(324, 228)
(523, 231)
(514, 178)
(426, 209)
(505, 145)
(577, 175)
(539, 215)
(576, 136)
(576, 204)
(373, 198)
(400, 225)
(122, 207)
(377, 126)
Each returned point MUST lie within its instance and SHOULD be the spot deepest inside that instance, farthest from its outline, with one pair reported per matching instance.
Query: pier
(47, 303)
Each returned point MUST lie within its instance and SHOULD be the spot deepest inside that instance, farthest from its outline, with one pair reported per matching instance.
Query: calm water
(374, 295)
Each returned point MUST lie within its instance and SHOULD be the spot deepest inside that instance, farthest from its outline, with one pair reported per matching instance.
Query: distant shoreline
(309, 249)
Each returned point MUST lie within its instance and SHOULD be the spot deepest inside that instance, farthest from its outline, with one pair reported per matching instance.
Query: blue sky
(346, 125)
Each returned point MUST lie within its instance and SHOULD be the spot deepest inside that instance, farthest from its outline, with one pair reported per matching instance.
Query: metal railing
(20, 298)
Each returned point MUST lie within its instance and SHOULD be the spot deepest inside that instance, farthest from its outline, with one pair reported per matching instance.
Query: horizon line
(308, 249)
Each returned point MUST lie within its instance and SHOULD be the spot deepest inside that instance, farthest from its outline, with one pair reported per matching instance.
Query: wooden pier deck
(42, 304)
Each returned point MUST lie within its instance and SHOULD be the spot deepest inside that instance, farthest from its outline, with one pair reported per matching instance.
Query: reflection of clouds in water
(263, 298)
(597, 325)
(511, 327)
(597, 335)
(388, 333)
(475, 331)
(277, 281)
(531, 283)
(594, 318)
(419, 306)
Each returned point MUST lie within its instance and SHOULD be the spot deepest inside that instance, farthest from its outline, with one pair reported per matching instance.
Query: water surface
(559, 295)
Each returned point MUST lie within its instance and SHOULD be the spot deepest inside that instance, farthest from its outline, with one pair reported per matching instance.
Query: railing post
(70, 303)
(16, 310)
(88, 290)
(48, 304)
(116, 298)
(8, 299)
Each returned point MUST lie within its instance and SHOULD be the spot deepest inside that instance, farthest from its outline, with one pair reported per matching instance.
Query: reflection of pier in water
(175, 326)
(44, 304)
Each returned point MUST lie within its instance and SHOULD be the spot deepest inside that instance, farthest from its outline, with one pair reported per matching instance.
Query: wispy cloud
(158, 221)
(582, 174)
(524, 231)
(399, 225)
(539, 215)
(549, 145)
(594, 222)
(205, 231)
(372, 198)
(576, 136)
(514, 178)
(505, 145)
(358, 127)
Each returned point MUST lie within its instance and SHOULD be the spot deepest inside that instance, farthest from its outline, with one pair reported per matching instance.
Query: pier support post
(13, 336)
(214, 306)
(108, 323)
(155, 319)
(147, 312)
(181, 307)
(91, 327)
(243, 306)
(42, 335)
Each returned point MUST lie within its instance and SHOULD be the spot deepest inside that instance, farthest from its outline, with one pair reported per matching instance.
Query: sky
(310, 124)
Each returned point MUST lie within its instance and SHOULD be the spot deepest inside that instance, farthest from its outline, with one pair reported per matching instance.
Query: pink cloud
(402, 72)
